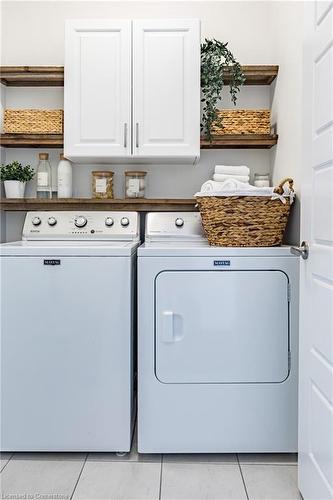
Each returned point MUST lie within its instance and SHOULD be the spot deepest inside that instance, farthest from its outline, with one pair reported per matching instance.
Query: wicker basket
(245, 221)
(33, 121)
(243, 121)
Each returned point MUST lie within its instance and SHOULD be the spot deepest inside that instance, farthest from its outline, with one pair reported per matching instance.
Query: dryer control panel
(81, 226)
(182, 226)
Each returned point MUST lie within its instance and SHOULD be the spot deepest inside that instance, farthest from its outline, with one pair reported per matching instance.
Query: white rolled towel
(225, 177)
(232, 169)
(209, 186)
(233, 187)
(228, 185)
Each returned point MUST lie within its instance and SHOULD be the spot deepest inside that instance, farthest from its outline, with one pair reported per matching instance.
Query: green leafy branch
(216, 59)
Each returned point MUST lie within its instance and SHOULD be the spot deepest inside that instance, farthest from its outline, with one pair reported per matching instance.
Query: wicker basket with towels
(233, 219)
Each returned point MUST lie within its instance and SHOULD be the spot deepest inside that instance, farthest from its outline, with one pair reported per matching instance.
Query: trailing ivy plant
(16, 172)
(216, 58)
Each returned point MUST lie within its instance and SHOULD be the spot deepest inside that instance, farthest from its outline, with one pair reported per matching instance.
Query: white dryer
(218, 336)
(66, 332)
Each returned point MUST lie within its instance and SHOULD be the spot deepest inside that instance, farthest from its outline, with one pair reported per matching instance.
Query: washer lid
(69, 248)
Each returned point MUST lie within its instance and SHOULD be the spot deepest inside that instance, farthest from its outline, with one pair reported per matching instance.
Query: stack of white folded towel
(231, 180)
(240, 173)
(228, 178)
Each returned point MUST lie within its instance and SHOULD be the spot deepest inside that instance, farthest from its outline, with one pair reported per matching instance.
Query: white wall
(258, 33)
(287, 100)
(39, 26)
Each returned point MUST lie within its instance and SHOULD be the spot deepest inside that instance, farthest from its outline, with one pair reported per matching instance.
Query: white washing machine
(66, 330)
(218, 337)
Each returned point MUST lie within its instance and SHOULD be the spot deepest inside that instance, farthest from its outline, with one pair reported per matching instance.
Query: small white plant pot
(14, 189)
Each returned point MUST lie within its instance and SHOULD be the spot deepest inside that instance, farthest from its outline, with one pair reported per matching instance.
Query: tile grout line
(9, 459)
(80, 474)
(161, 472)
(241, 473)
(268, 464)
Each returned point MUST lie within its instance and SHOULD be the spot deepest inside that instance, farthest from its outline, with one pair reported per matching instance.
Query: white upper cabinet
(166, 90)
(97, 89)
(132, 90)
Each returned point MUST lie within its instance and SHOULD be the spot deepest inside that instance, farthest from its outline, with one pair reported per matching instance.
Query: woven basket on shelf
(243, 121)
(245, 221)
(33, 121)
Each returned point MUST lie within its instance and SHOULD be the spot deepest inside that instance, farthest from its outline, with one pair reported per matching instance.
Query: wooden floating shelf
(241, 141)
(256, 75)
(137, 205)
(32, 140)
(32, 76)
(53, 76)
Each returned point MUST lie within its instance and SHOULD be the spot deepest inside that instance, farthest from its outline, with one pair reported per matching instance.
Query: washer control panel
(81, 225)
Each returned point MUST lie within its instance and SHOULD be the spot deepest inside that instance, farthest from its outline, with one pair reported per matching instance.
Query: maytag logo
(52, 262)
(221, 262)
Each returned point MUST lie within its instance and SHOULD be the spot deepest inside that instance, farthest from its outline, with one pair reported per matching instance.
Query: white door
(97, 88)
(166, 87)
(316, 292)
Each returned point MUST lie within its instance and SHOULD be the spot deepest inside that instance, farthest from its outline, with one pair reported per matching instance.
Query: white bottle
(65, 178)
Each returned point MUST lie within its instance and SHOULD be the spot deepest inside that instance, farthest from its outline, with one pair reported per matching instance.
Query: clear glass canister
(135, 184)
(44, 177)
(261, 180)
(102, 184)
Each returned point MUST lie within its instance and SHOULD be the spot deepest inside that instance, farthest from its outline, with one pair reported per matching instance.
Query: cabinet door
(97, 89)
(166, 87)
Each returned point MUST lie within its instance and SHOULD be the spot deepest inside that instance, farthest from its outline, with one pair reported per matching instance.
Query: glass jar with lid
(135, 184)
(44, 179)
(102, 184)
(261, 180)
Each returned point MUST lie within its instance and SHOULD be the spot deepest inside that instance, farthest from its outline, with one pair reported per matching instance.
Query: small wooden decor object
(245, 221)
(243, 121)
(33, 121)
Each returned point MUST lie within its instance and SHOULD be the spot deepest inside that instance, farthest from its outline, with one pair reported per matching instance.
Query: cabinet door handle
(137, 134)
(125, 135)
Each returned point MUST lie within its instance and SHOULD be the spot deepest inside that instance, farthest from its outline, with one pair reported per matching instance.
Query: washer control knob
(51, 221)
(36, 221)
(179, 222)
(124, 221)
(109, 221)
(80, 221)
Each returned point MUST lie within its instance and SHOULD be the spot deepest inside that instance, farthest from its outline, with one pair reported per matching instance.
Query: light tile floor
(106, 476)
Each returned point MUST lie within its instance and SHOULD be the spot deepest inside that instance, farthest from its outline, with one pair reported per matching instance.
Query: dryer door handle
(167, 326)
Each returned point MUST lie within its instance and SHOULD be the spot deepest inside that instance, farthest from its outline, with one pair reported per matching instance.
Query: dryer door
(221, 327)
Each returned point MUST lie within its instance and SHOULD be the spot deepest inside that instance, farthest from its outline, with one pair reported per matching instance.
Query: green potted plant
(15, 176)
(216, 62)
